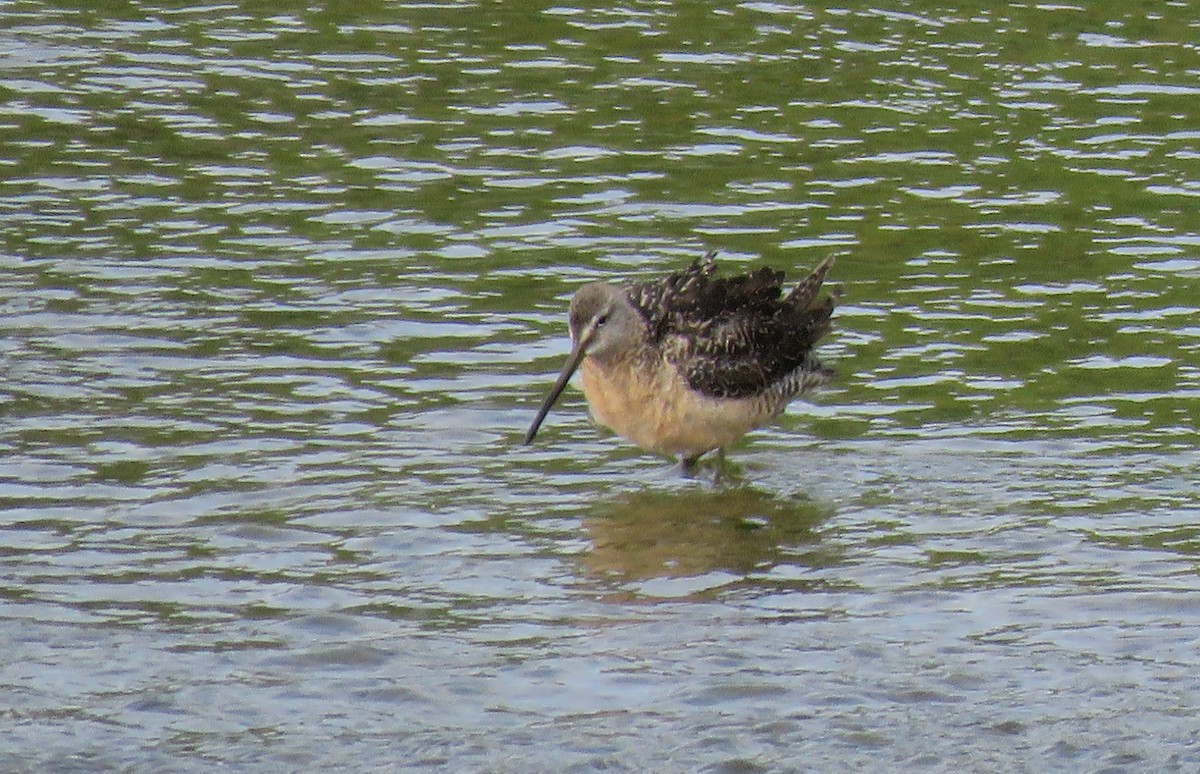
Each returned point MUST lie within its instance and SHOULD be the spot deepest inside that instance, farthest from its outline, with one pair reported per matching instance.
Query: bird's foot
(721, 470)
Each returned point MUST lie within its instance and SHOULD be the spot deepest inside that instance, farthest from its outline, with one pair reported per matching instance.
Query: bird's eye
(601, 319)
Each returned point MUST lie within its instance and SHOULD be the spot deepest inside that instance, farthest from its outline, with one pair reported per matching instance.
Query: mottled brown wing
(735, 337)
(657, 300)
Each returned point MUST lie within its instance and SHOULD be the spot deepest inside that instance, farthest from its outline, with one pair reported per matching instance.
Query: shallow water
(280, 291)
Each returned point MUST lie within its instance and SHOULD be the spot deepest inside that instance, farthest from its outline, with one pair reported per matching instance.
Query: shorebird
(692, 362)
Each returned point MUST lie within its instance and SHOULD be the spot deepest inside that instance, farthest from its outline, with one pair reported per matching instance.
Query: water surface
(280, 290)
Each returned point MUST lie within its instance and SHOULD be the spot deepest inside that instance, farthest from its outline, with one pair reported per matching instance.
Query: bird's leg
(687, 465)
(722, 473)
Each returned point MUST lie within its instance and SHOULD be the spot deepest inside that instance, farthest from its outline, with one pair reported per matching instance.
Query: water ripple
(280, 293)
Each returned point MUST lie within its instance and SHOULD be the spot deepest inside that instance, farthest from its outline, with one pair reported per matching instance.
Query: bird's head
(604, 326)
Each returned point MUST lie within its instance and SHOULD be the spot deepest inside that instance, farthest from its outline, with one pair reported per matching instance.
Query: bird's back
(739, 336)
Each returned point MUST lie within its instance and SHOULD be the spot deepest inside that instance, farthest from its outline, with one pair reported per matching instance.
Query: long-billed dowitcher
(692, 362)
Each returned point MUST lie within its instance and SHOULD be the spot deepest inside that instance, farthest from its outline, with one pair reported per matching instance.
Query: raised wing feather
(735, 337)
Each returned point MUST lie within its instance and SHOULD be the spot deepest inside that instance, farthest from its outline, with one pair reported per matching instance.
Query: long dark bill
(573, 361)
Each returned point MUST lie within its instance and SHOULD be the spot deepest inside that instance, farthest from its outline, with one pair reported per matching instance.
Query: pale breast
(652, 406)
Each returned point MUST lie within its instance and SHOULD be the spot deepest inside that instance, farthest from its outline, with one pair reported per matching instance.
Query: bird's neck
(623, 357)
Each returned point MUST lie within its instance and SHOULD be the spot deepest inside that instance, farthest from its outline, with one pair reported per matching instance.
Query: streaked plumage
(691, 362)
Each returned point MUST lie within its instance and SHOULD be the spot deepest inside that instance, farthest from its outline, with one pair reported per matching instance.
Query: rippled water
(280, 289)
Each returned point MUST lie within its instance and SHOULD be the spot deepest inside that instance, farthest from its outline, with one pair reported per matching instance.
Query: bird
(691, 362)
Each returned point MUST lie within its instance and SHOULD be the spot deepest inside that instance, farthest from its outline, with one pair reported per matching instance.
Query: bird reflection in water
(657, 534)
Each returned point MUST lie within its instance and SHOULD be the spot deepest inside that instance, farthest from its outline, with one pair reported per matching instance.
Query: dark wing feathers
(806, 292)
(735, 337)
(657, 300)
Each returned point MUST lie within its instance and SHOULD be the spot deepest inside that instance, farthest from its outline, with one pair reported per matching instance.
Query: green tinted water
(280, 289)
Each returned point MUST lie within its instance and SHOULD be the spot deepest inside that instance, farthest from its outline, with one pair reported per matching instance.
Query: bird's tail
(803, 295)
